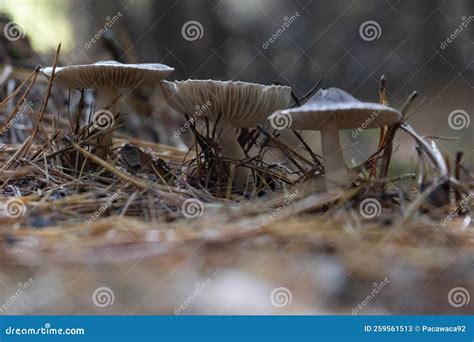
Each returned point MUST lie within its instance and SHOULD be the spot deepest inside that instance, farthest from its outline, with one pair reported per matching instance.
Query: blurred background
(423, 45)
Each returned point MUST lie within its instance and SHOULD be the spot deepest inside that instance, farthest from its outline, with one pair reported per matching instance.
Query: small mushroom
(330, 111)
(108, 78)
(228, 105)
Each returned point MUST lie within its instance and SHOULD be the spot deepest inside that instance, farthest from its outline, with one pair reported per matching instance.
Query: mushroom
(228, 105)
(107, 78)
(332, 110)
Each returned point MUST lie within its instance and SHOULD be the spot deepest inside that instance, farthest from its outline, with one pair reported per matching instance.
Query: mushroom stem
(231, 149)
(334, 165)
(106, 99)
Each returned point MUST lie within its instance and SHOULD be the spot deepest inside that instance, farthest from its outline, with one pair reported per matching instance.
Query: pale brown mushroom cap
(239, 103)
(108, 73)
(337, 104)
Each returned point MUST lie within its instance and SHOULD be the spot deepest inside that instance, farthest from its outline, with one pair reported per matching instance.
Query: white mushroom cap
(332, 110)
(107, 78)
(108, 73)
(239, 103)
(231, 104)
(347, 111)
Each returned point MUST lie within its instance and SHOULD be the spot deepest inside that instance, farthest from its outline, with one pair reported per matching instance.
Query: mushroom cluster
(229, 106)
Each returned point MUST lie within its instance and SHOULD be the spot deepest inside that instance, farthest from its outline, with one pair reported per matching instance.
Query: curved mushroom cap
(348, 111)
(240, 103)
(108, 73)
